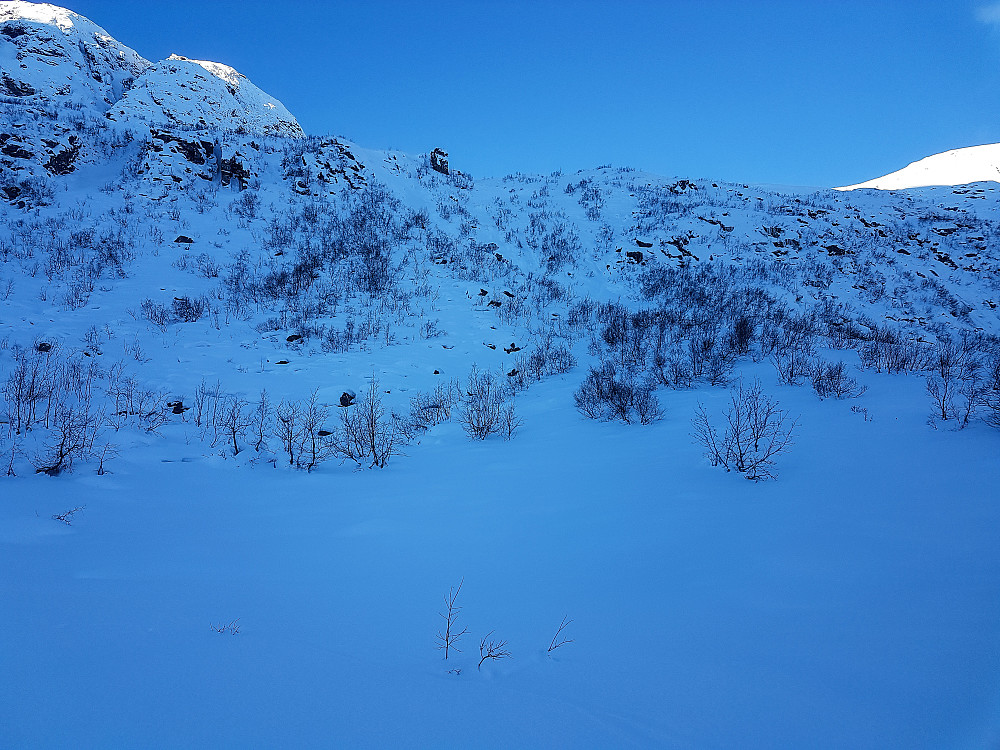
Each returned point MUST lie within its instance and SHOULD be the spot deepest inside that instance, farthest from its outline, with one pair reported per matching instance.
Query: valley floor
(852, 603)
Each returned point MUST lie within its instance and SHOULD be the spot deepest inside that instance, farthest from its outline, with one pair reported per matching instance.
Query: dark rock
(635, 256)
(14, 151)
(43, 347)
(196, 152)
(640, 243)
(11, 191)
(15, 88)
(233, 169)
(294, 337)
(63, 161)
(183, 238)
(12, 30)
(347, 398)
(439, 161)
(281, 362)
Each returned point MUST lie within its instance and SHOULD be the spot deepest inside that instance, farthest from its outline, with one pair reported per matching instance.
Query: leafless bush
(315, 441)
(488, 407)
(365, 434)
(608, 393)
(430, 409)
(288, 428)
(190, 309)
(830, 379)
(447, 637)
(232, 420)
(959, 382)
(261, 419)
(74, 429)
(67, 516)
(792, 365)
(559, 639)
(156, 313)
(757, 431)
(491, 649)
(232, 627)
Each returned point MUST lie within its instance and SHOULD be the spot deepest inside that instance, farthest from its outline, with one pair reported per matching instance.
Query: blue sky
(805, 92)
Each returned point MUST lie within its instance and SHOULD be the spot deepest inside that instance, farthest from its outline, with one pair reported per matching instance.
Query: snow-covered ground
(173, 588)
(852, 603)
(959, 166)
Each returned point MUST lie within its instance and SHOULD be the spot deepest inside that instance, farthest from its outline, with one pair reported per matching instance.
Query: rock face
(439, 161)
(49, 55)
(52, 54)
(200, 94)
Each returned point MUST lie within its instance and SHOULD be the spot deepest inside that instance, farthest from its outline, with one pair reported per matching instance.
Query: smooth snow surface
(853, 604)
(960, 166)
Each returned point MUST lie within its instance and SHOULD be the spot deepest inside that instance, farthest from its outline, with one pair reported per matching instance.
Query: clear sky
(799, 92)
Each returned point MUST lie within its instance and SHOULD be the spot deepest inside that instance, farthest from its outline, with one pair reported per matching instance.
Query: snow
(851, 603)
(63, 57)
(196, 93)
(960, 166)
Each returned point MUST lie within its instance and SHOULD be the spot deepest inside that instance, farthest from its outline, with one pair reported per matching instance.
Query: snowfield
(850, 604)
(243, 377)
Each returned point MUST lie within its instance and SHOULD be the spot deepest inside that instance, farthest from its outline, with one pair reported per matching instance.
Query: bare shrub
(233, 420)
(609, 393)
(450, 634)
(288, 427)
(430, 409)
(830, 380)
(316, 443)
(492, 649)
(559, 639)
(756, 432)
(365, 434)
(488, 407)
(74, 429)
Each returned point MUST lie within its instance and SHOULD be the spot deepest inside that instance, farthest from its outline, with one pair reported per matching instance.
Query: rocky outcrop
(54, 55)
(196, 94)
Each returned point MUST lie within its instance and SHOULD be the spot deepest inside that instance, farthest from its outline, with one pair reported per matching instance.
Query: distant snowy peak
(957, 167)
(51, 54)
(200, 94)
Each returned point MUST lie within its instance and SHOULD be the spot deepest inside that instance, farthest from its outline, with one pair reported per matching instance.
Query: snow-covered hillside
(204, 95)
(268, 401)
(49, 54)
(960, 166)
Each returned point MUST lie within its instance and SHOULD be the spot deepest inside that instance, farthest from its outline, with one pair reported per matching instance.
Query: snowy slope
(959, 166)
(205, 95)
(53, 55)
